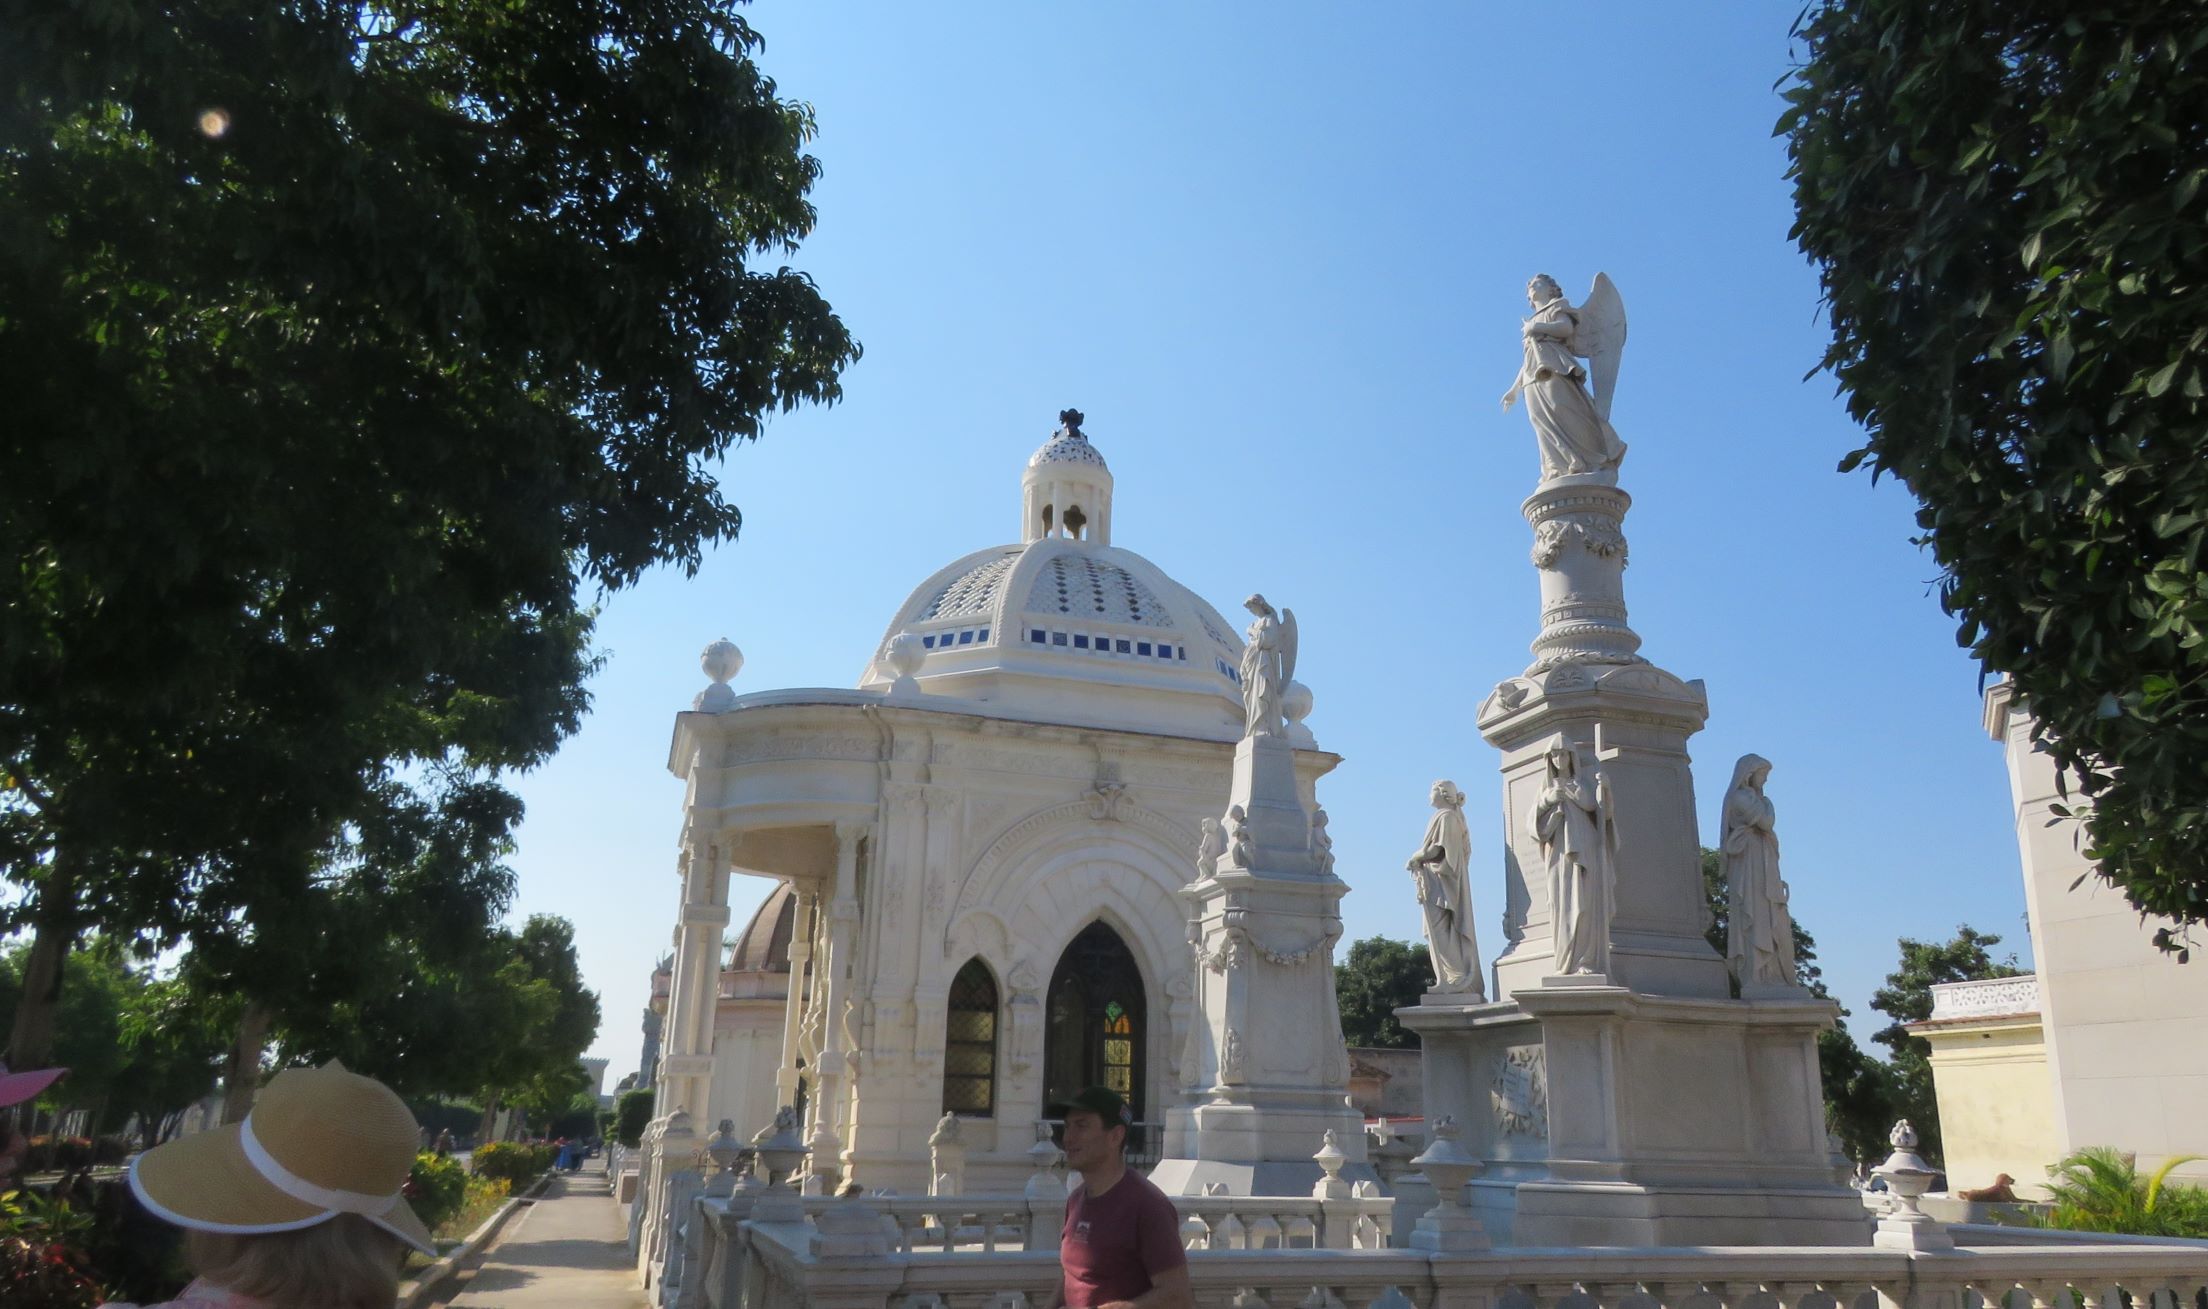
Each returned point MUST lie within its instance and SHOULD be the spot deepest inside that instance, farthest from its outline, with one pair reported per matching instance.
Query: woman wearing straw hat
(298, 1205)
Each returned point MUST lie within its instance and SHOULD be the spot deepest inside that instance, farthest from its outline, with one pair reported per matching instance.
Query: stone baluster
(1232, 1233)
(1337, 1202)
(1321, 1297)
(1264, 1230)
(1045, 1194)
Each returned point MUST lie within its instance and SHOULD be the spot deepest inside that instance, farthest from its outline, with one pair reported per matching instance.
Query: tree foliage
(1907, 998)
(135, 1042)
(347, 348)
(2003, 199)
(1378, 977)
(1859, 1104)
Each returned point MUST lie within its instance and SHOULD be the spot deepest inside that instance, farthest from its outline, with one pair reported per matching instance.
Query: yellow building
(1989, 1070)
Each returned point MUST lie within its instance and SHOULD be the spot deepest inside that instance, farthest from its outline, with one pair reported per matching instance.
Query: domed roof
(1067, 624)
(764, 946)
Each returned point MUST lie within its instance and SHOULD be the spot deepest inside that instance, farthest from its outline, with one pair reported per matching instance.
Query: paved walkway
(569, 1250)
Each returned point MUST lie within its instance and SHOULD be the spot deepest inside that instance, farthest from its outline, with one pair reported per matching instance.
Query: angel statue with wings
(1571, 425)
(1268, 665)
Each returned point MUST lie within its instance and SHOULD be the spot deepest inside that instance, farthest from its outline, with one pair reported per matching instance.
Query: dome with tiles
(1065, 620)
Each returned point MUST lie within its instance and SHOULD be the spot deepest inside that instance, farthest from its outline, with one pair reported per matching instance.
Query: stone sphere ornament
(1295, 702)
(721, 661)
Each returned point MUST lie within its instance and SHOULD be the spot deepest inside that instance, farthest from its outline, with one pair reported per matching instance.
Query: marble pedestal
(1609, 1117)
(1265, 1074)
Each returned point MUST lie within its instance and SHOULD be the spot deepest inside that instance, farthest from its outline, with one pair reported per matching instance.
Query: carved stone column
(686, 1069)
(801, 954)
(830, 1083)
(1579, 546)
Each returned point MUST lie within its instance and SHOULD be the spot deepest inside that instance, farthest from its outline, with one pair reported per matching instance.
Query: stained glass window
(970, 1043)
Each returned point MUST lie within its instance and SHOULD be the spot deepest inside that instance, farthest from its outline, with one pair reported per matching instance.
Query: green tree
(1907, 998)
(348, 349)
(2003, 202)
(1859, 1103)
(632, 1113)
(132, 1046)
(1380, 976)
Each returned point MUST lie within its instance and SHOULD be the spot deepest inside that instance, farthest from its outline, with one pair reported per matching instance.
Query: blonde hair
(345, 1263)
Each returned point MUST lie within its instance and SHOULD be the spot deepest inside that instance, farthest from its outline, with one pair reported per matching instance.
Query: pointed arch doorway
(1098, 1021)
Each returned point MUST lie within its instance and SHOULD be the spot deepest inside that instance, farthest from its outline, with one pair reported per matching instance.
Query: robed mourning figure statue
(1571, 424)
(1572, 820)
(1268, 665)
(1759, 923)
(1440, 871)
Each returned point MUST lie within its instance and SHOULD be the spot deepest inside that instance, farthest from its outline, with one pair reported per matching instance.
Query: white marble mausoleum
(982, 849)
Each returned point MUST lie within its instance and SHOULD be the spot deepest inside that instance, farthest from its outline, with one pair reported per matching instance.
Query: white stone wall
(2126, 1025)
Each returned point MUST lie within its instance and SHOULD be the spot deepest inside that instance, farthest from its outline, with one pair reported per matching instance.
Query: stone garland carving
(1602, 538)
(1238, 944)
(1521, 1093)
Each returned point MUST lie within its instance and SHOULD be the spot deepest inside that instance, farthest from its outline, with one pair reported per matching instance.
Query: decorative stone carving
(1521, 1093)
(1440, 873)
(721, 662)
(1760, 935)
(1241, 851)
(1571, 426)
(1268, 666)
(1232, 1059)
(903, 656)
(1208, 849)
(1322, 845)
(1573, 821)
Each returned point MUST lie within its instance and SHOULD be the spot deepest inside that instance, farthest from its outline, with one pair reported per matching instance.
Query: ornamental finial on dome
(1067, 490)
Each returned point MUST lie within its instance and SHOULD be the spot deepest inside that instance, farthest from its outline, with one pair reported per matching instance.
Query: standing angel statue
(1268, 665)
(1440, 872)
(1573, 820)
(1571, 426)
(1759, 925)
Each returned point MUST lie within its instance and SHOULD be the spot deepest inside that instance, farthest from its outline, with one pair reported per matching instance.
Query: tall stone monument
(1617, 1090)
(1265, 1076)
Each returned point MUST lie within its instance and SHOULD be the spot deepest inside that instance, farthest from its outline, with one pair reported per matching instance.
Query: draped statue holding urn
(1440, 872)
(1573, 822)
(1759, 924)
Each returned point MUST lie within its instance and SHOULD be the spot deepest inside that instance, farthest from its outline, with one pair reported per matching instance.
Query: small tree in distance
(1379, 976)
(1907, 998)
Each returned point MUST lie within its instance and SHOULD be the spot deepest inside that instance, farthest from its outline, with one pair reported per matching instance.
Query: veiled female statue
(1760, 927)
(1440, 872)
(1571, 426)
(1268, 665)
(1572, 821)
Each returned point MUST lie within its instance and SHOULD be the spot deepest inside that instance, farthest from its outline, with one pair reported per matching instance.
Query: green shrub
(632, 1113)
(511, 1161)
(437, 1188)
(2099, 1189)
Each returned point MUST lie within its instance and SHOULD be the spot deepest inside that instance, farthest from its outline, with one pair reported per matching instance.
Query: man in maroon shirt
(1121, 1247)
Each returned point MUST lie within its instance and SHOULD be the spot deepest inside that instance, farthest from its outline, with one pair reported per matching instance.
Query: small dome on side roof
(764, 944)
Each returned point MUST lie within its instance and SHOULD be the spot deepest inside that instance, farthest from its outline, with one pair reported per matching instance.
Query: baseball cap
(1102, 1101)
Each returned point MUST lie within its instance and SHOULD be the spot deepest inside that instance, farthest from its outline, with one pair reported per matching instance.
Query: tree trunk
(241, 1073)
(490, 1119)
(31, 1041)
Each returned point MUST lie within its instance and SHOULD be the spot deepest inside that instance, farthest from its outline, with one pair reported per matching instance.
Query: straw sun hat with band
(320, 1142)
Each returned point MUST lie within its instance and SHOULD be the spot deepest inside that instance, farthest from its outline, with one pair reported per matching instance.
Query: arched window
(970, 1043)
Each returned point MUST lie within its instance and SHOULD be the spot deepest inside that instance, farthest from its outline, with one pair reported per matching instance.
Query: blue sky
(1277, 254)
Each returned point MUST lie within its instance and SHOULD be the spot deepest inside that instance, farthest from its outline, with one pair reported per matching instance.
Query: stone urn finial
(1330, 1156)
(721, 661)
(1449, 1225)
(903, 656)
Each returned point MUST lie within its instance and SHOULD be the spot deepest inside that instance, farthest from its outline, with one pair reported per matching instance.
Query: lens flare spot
(213, 123)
